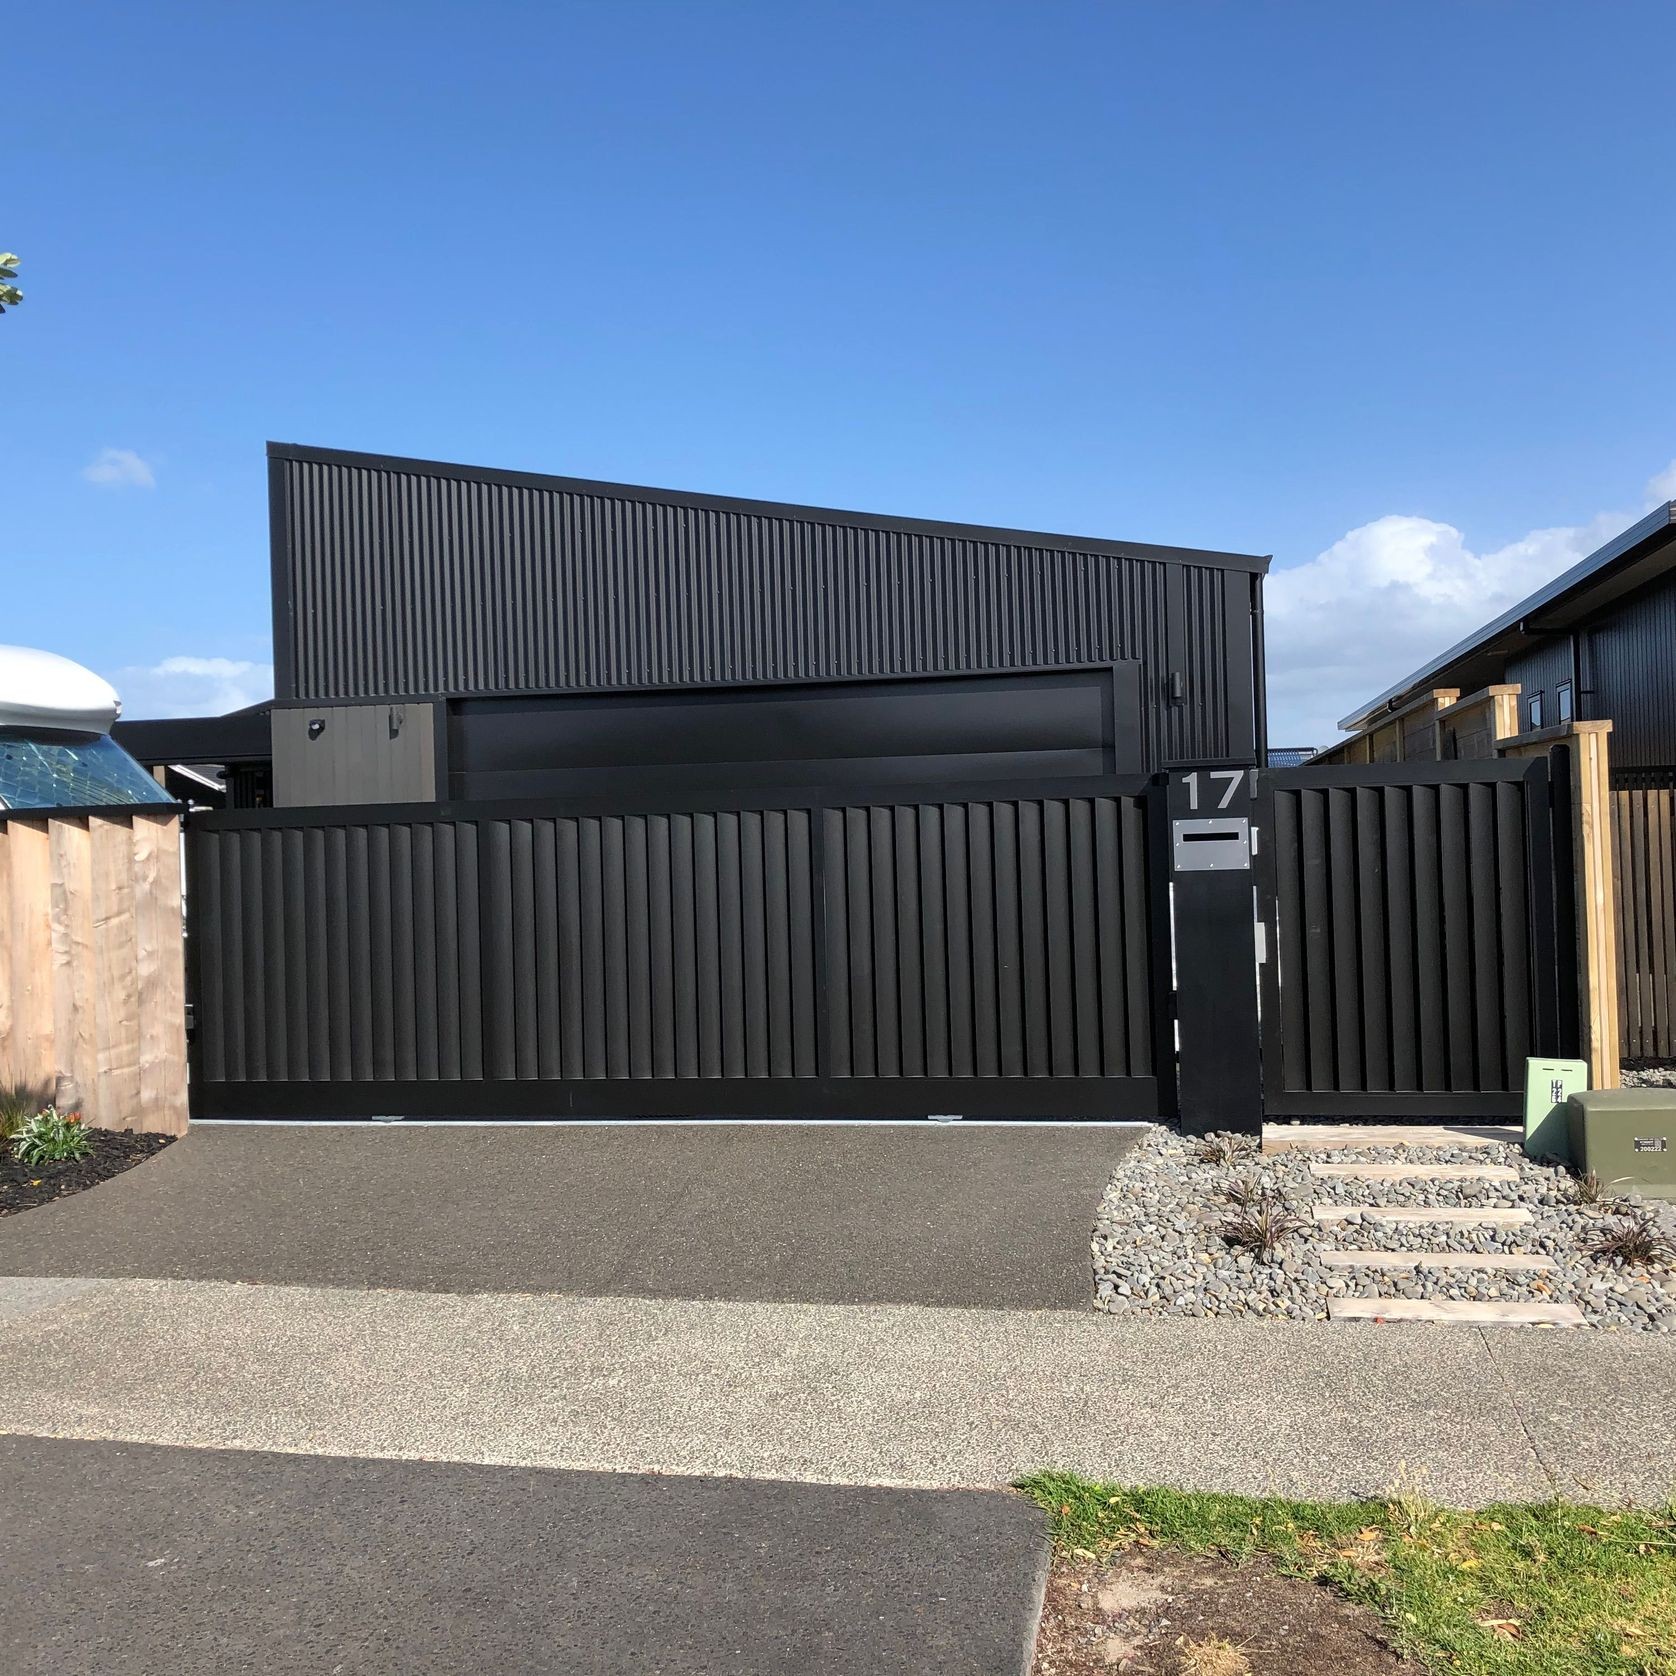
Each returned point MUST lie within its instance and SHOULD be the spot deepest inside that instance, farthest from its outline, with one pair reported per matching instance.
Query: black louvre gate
(1415, 958)
(982, 954)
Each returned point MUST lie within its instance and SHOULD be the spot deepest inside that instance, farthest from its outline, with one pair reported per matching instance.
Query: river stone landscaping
(1158, 1250)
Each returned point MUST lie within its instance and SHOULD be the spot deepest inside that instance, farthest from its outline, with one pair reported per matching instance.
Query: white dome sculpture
(43, 690)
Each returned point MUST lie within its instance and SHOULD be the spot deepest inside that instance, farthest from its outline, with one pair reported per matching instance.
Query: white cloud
(192, 686)
(119, 468)
(1392, 595)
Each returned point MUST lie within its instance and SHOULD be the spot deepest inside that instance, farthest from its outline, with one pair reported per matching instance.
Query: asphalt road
(992, 1217)
(130, 1560)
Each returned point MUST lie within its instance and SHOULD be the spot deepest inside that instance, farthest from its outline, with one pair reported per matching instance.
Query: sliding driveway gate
(976, 951)
(997, 953)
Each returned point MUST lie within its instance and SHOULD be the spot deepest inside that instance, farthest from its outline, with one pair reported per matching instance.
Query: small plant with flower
(51, 1137)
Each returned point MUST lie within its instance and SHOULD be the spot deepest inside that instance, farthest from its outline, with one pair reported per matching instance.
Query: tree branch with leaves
(10, 296)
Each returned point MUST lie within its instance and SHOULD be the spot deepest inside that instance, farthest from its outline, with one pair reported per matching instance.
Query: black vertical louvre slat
(887, 1018)
(1111, 924)
(500, 1019)
(683, 943)
(1291, 952)
(1137, 948)
(1009, 974)
(957, 917)
(1059, 912)
(753, 922)
(839, 986)
(1371, 939)
(934, 939)
(446, 839)
(986, 960)
(427, 1025)
(544, 912)
(358, 935)
(252, 962)
(910, 974)
(617, 1014)
(525, 987)
(573, 1028)
(1457, 937)
(1490, 1046)
(802, 907)
(1317, 972)
(1032, 919)
(404, 1027)
(471, 951)
(776, 898)
(338, 962)
(1513, 899)
(591, 975)
(1428, 938)
(707, 946)
(1398, 914)
(215, 978)
(1345, 985)
(730, 932)
(638, 935)
(660, 923)
(381, 953)
(1084, 916)
(275, 947)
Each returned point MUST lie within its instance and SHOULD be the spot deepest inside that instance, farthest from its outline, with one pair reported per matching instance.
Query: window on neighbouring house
(1562, 702)
(1533, 710)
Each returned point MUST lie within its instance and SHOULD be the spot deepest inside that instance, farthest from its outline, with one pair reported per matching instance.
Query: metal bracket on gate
(1212, 844)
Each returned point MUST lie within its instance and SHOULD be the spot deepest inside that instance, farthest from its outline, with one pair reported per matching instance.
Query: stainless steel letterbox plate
(1212, 845)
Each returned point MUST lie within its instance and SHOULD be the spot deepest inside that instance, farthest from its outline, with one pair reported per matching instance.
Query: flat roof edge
(1210, 558)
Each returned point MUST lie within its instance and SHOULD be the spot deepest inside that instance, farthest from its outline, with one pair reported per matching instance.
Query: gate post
(1220, 1072)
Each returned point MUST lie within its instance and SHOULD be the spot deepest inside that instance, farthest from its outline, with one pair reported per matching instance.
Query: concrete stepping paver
(1488, 1312)
(1343, 1137)
(1514, 1260)
(1426, 1213)
(1416, 1172)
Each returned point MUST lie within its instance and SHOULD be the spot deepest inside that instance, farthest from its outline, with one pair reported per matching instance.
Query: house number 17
(1230, 778)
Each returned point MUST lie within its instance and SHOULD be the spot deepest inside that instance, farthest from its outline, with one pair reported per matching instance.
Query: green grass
(1547, 1590)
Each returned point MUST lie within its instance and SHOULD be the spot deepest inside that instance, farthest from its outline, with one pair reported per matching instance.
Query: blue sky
(1383, 290)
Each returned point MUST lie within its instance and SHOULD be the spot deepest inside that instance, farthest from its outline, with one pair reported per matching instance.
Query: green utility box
(1627, 1136)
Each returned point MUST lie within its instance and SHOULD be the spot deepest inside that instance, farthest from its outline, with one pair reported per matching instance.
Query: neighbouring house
(1598, 643)
(1589, 661)
(449, 633)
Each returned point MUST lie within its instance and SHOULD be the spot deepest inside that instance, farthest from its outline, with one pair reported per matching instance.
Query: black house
(452, 634)
(1598, 643)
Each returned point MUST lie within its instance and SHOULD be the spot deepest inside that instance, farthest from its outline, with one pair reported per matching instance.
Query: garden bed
(24, 1186)
(1160, 1249)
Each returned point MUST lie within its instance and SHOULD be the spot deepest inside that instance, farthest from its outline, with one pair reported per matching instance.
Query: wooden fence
(1645, 824)
(92, 975)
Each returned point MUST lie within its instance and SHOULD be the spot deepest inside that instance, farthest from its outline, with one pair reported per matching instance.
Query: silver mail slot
(1213, 845)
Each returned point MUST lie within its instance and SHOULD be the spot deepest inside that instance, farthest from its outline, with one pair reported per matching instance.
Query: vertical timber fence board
(92, 981)
(996, 955)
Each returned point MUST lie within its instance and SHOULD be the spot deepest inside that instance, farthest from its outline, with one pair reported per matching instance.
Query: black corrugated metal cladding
(401, 579)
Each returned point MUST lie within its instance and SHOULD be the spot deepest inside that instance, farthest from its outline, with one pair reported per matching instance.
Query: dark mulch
(1162, 1613)
(114, 1150)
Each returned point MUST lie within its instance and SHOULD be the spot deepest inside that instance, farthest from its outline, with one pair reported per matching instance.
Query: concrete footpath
(861, 1394)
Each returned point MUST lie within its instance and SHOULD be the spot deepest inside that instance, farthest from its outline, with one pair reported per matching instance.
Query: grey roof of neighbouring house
(1626, 561)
